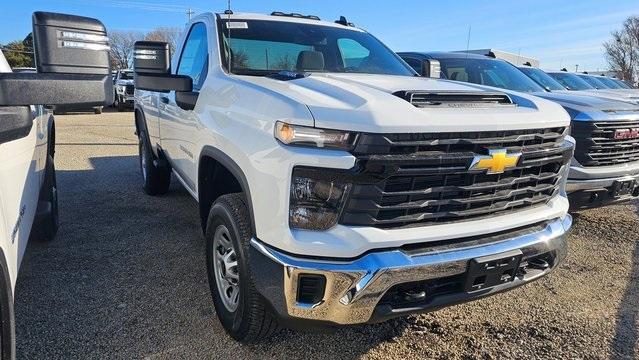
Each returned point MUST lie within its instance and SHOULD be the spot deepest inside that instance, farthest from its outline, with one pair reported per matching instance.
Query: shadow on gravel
(126, 278)
(627, 326)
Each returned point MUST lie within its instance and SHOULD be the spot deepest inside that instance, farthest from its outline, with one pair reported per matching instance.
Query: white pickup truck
(28, 191)
(123, 89)
(335, 186)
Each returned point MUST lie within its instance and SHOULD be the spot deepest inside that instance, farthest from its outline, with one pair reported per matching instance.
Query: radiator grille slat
(597, 145)
(425, 178)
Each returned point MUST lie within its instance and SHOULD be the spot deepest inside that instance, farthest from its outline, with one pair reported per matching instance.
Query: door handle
(164, 99)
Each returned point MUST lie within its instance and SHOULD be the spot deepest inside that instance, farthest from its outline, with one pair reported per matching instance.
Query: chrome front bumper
(354, 288)
(573, 185)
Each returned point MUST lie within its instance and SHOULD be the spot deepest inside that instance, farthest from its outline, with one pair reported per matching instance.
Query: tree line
(622, 51)
(19, 53)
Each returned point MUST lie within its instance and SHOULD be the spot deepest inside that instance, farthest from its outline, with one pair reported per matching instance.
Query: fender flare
(7, 314)
(140, 124)
(226, 161)
(51, 135)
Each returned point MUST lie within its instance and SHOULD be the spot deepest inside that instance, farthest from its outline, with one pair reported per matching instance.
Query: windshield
(594, 82)
(622, 84)
(610, 83)
(261, 47)
(126, 75)
(571, 81)
(543, 79)
(489, 72)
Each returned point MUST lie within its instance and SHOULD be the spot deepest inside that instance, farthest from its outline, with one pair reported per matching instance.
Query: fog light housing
(315, 204)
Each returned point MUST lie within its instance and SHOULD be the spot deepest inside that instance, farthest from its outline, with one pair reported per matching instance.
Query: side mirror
(72, 59)
(151, 63)
(431, 68)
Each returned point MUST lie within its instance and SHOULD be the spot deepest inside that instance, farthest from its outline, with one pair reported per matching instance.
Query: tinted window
(260, 47)
(622, 84)
(126, 75)
(543, 79)
(610, 83)
(415, 64)
(489, 72)
(571, 81)
(594, 82)
(194, 60)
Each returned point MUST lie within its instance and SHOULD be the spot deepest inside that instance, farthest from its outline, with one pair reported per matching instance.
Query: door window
(194, 60)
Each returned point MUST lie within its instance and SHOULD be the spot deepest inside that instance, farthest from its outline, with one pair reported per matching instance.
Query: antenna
(467, 44)
(228, 28)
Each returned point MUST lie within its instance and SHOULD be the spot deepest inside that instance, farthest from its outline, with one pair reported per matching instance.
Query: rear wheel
(240, 308)
(97, 110)
(156, 177)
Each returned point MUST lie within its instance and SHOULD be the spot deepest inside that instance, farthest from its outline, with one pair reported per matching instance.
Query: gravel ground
(126, 278)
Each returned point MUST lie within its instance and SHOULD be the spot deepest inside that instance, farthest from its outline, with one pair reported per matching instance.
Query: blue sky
(559, 33)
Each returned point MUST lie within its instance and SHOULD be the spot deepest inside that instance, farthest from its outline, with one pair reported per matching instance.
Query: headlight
(315, 203)
(309, 136)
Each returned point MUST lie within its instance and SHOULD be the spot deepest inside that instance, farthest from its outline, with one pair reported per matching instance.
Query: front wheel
(240, 308)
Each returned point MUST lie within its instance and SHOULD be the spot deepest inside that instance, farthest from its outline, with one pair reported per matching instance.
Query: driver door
(178, 130)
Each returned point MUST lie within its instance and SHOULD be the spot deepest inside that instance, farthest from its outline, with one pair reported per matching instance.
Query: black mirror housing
(431, 68)
(152, 57)
(152, 66)
(72, 58)
(15, 122)
(69, 44)
(163, 83)
(186, 100)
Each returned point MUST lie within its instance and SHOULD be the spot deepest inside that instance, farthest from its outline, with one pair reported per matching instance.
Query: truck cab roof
(292, 18)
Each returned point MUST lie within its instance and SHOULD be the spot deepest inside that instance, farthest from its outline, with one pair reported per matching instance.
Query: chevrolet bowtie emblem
(496, 162)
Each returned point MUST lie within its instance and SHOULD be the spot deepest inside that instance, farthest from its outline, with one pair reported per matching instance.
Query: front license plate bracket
(489, 271)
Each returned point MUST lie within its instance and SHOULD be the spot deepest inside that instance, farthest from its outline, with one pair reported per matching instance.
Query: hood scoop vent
(455, 99)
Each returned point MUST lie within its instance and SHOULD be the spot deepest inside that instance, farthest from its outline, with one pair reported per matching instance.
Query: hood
(604, 94)
(366, 103)
(124, 82)
(582, 104)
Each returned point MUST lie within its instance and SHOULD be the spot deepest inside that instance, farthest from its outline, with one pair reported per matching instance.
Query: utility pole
(190, 13)
(577, 68)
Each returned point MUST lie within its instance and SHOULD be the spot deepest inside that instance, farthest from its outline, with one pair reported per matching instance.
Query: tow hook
(539, 264)
(412, 296)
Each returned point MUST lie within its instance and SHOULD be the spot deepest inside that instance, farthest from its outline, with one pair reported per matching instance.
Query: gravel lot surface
(126, 279)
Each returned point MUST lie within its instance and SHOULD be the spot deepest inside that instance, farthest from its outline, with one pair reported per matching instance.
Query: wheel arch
(219, 158)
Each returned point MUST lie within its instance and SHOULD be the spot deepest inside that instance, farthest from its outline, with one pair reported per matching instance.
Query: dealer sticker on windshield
(237, 25)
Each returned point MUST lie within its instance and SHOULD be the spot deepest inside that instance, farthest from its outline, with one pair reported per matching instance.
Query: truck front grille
(417, 179)
(604, 143)
(130, 89)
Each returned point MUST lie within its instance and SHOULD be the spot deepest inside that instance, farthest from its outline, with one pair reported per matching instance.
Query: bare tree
(622, 52)
(165, 34)
(122, 43)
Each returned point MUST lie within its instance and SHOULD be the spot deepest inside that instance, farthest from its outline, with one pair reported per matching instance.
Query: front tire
(97, 110)
(240, 308)
(156, 178)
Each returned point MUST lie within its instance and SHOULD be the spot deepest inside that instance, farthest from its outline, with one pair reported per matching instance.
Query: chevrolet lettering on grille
(496, 162)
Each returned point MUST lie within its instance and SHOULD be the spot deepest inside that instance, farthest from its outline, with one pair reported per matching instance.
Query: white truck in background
(124, 89)
(336, 187)
(28, 191)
